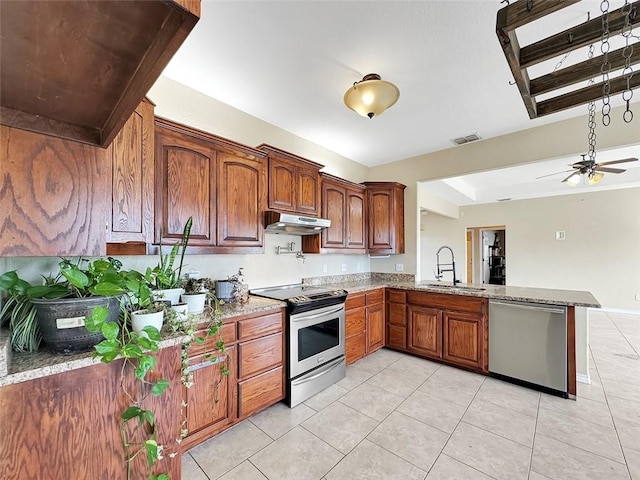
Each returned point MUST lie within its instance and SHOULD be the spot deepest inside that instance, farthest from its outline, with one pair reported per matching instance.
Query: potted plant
(140, 306)
(195, 294)
(19, 314)
(64, 301)
(164, 278)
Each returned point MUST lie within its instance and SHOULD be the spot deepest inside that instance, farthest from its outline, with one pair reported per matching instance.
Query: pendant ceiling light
(371, 96)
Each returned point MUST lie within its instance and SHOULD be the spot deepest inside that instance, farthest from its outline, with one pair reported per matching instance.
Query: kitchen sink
(461, 288)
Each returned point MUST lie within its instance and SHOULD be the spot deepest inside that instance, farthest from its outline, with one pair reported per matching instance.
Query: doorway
(486, 255)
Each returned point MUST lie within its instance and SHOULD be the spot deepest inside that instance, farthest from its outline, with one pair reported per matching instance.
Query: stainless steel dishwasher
(528, 344)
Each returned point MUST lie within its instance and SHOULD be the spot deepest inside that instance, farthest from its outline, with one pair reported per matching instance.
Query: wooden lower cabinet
(463, 339)
(375, 320)
(211, 400)
(260, 391)
(356, 324)
(425, 331)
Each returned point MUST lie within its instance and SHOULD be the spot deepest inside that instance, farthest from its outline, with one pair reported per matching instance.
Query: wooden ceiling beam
(576, 37)
(580, 72)
(523, 12)
(584, 95)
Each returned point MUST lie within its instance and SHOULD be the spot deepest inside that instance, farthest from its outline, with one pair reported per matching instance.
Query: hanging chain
(627, 72)
(606, 65)
(592, 118)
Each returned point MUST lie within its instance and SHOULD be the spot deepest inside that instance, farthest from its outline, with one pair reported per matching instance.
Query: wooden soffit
(520, 58)
(77, 70)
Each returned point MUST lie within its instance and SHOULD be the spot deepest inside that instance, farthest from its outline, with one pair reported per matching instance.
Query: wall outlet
(324, 268)
(560, 235)
(344, 267)
(399, 267)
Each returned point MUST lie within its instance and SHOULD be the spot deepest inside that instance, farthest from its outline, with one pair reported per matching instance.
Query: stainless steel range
(315, 338)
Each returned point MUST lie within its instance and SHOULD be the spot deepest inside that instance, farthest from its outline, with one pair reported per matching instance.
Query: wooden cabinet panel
(397, 296)
(385, 217)
(260, 326)
(375, 327)
(397, 314)
(227, 332)
(355, 320)
(396, 336)
(425, 331)
(458, 303)
(356, 219)
(375, 296)
(308, 191)
(241, 200)
(333, 207)
(356, 347)
(355, 300)
(463, 339)
(132, 179)
(210, 400)
(260, 391)
(53, 195)
(185, 184)
(396, 320)
(294, 182)
(258, 355)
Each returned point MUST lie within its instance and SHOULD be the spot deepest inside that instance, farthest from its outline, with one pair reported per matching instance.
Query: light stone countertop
(28, 366)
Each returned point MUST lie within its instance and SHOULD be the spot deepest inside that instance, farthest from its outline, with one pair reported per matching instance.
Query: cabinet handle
(206, 363)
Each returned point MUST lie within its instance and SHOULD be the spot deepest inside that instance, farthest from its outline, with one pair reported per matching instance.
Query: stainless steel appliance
(528, 344)
(315, 333)
(277, 222)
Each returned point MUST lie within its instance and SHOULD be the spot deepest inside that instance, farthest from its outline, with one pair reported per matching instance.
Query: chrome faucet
(452, 265)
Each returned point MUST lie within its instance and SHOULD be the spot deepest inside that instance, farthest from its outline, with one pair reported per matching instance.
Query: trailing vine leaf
(107, 350)
(151, 446)
(132, 412)
(110, 330)
(152, 332)
(93, 322)
(145, 364)
(159, 388)
(148, 344)
(162, 476)
(131, 351)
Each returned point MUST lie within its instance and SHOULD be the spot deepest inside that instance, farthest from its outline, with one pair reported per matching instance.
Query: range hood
(293, 224)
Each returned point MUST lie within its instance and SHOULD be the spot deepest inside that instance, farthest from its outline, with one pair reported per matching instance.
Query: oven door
(316, 337)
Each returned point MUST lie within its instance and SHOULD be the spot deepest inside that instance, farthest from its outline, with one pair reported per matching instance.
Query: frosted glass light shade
(574, 179)
(595, 177)
(371, 96)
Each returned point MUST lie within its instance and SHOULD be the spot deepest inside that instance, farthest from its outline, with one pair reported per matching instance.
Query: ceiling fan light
(371, 96)
(595, 177)
(574, 179)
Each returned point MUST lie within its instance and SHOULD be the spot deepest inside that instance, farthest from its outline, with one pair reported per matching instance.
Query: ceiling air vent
(466, 139)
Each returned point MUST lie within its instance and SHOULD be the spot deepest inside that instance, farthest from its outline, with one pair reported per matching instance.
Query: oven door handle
(321, 371)
(317, 315)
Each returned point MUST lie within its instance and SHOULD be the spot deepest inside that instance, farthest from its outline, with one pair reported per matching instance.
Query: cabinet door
(425, 331)
(132, 186)
(463, 339)
(381, 231)
(186, 185)
(355, 222)
(308, 191)
(333, 207)
(396, 325)
(241, 200)
(375, 327)
(209, 401)
(260, 391)
(282, 185)
(356, 340)
(53, 195)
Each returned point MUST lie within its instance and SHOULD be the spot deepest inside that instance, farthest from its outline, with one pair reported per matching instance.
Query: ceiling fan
(592, 170)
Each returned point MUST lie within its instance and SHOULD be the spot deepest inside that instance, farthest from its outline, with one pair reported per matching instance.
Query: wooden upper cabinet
(385, 205)
(53, 195)
(343, 203)
(221, 184)
(242, 191)
(77, 70)
(185, 185)
(130, 216)
(294, 182)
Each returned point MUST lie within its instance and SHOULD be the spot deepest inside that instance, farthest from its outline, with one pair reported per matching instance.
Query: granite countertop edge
(24, 367)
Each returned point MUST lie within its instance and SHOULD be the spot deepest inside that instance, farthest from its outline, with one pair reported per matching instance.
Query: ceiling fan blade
(624, 160)
(552, 174)
(582, 163)
(571, 175)
(609, 170)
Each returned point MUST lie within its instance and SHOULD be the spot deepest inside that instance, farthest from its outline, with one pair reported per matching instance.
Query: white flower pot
(172, 294)
(181, 310)
(195, 302)
(142, 318)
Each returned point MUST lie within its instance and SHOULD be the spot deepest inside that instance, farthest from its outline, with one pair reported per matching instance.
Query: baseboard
(581, 378)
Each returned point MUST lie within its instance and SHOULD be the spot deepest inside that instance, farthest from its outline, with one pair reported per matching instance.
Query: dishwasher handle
(524, 306)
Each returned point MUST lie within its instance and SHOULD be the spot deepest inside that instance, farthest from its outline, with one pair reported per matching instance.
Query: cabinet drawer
(355, 301)
(259, 355)
(356, 347)
(445, 301)
(355, 320)
(260, 326)
(396, 314)
(396, 296)
(376, 296)
(228, 333)
(260, 392)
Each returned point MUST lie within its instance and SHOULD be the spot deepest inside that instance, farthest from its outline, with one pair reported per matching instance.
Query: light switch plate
(399, 267)
(560, 235)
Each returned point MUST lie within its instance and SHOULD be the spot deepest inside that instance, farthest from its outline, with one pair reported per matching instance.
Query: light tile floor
(400, 417)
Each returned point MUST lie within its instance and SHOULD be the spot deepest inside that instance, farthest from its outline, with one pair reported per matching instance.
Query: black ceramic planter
(61, 322)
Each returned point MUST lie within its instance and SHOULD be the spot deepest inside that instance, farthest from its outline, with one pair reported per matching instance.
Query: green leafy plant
(164, 276)
(19, 314)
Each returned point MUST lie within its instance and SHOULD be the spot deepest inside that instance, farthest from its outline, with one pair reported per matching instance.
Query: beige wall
(601, 253)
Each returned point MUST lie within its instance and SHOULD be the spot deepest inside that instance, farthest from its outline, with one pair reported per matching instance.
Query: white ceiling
(289, 63)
